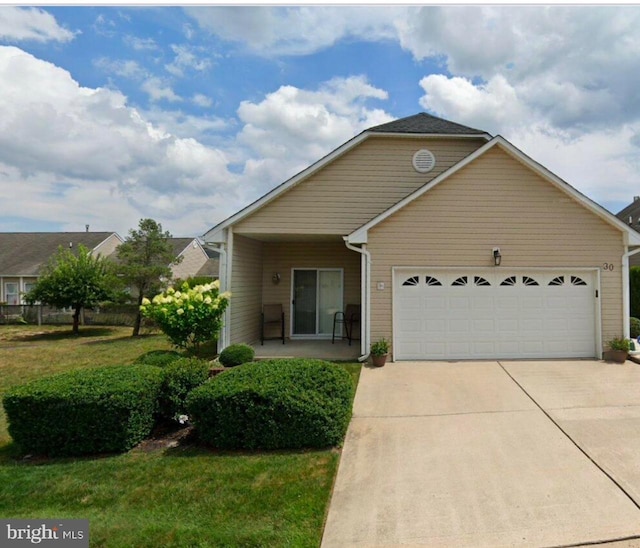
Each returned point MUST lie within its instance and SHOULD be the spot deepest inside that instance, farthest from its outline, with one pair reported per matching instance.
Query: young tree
(77, 280)
(144, 259)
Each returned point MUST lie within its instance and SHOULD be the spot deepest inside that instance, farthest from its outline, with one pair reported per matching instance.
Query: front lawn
(158, 494)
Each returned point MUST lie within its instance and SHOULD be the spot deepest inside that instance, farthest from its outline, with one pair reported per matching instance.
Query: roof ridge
(423, 122)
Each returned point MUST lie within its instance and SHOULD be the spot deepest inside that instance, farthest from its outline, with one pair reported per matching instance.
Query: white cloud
(126, 68)
(201, 100)
(186, 57)
(141, 44)
(159, 90)
(295, 30)
(292, 128)
(84, 155)
(31, 24)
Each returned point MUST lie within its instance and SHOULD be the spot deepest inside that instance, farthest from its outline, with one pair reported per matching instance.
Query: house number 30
(607, 266)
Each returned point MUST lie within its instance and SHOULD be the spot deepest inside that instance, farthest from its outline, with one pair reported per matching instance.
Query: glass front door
(317, 296)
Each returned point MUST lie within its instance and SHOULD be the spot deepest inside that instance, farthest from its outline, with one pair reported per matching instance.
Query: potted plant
(618, 350)
(379, 352)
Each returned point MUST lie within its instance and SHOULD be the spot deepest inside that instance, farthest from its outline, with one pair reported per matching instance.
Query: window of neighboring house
(28, 286)
(11, 293)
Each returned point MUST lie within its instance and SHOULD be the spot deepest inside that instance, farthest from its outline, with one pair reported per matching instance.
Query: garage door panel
(551, 319)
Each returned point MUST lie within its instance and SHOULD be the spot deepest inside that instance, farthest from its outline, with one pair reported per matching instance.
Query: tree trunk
(138, 321)
(76, 320)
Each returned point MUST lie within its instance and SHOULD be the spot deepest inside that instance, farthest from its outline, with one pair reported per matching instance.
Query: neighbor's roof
(179, 244)
(427, 124)
(631, 211)
(25, 253)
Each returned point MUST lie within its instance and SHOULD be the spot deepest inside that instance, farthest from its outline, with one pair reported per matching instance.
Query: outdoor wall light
(497, 257)
(275, 278)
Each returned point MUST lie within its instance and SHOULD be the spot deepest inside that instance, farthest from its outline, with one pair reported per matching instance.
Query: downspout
(365, 286)
(222, 276)
(626, 322)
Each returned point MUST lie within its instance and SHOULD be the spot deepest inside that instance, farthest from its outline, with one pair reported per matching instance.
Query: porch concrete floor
(320, 349)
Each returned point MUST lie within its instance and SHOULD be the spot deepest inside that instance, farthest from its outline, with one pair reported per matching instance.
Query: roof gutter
(365, 298)
(222, 277)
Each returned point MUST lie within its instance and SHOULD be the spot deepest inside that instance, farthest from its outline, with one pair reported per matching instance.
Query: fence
(124, 315)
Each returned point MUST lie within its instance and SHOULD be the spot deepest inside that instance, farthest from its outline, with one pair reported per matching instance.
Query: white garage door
(487, 314)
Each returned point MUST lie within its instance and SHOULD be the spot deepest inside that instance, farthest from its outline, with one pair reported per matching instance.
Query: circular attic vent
(424, 161)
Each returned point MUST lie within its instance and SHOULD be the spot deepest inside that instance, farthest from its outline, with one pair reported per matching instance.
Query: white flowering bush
(188, 316)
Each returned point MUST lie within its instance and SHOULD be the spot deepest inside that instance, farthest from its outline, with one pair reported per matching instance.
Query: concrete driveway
(491, 454)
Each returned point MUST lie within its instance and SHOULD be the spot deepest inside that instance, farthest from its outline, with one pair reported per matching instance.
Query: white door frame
(291, 305)
(519, 269)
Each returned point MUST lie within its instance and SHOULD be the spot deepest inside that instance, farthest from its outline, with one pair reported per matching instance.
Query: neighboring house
(196, 260)
(631, 216)
(410, 219)
(23, 255)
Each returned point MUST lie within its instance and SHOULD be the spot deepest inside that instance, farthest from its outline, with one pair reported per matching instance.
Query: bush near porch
(274, 404)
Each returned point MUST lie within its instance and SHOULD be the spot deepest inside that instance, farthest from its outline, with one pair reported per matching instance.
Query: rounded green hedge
(274, 404)
(236, 354)
(159, 358)
(179, 379)
(102, 410)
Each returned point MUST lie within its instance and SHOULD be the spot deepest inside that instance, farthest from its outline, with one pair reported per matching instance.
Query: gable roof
(178, 245)
(25, 253)
(418, 125)
(360, 235)
(424, 123)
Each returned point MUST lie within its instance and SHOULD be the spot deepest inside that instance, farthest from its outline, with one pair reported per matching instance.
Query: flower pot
(379, 361)
(616, 356)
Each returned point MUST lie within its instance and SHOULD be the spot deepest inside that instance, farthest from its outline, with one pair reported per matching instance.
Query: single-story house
(455, 244)
(196, 260)
(23, 255)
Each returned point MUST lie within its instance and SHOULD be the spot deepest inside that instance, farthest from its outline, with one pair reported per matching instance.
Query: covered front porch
(307, 280)
(318, 349)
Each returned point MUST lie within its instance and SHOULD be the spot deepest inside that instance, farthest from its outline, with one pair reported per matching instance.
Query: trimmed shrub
(179, 379)
(236, 354)
(635, 328)
(103, 410)
(159, 358)
(274, 404)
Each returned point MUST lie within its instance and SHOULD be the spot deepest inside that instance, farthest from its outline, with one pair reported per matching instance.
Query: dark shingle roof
(633, 211)
(211, 267)
(179, 244)
(25, 253)
(425, 123)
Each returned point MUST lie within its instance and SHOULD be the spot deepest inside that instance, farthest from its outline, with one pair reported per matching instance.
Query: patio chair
(272, 321)
(346, 320)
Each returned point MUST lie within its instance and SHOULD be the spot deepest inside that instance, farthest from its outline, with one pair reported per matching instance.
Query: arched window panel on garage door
(558, 280)
(479, 280)
(462, 280)
(511, 280)
(430, 280)
(575, 280)
(529, 281)
(413, 281)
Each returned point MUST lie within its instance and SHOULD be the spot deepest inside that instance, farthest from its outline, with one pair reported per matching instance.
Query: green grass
(156, 496)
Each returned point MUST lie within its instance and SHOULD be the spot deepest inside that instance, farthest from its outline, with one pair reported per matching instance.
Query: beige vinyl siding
(192, 260)
(108, 246)
(246, 290)
(356, 187)
(496, 201)
(283, 257)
